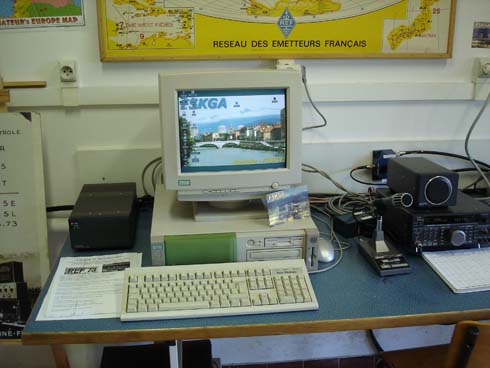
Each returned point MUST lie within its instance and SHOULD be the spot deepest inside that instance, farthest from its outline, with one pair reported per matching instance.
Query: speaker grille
(438, 190)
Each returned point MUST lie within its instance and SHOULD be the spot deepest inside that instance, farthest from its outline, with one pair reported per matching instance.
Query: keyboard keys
(213, 290)
(183, 306)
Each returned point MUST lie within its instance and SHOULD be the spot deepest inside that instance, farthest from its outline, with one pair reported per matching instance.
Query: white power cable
(466, 143)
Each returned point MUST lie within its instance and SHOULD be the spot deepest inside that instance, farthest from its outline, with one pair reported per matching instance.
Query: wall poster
(24, 260)
(481, 35)
(274, 29)
(15, 14)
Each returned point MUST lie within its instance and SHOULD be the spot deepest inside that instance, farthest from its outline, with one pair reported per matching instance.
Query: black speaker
(430, 184)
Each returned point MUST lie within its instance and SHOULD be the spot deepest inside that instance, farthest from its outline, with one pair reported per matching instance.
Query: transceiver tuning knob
(457, 237)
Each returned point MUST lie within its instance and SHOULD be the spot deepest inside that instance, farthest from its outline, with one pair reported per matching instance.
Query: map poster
(18, 14)
(273, 29)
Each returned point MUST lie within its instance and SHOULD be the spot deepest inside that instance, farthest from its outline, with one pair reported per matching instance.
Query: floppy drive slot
(280, 242)
(262, 255)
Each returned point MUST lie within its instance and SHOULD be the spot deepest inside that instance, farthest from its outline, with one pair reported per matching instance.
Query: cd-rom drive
(261, 246)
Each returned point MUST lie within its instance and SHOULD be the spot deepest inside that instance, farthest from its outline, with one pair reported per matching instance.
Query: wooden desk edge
(101, 337)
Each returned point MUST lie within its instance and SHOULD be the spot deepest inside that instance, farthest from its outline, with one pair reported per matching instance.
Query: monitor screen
(232, 129)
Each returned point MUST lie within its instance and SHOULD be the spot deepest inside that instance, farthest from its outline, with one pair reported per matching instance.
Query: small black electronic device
(11, 272)
(464, 225)
(430, 184)
(14, 311)
(13, 290)
(385, 259)
(380, 163)
(351, 225)
(14, 302)
(383, 256)
(104, 217)
(391, 263)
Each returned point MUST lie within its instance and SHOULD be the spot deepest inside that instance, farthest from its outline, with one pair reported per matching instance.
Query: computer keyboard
(190, 291)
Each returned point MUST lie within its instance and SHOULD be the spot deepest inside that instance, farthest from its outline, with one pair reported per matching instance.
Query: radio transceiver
(464, 225)
(15, 305)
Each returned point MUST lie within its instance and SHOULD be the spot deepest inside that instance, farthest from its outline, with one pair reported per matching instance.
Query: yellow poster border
(107, 55)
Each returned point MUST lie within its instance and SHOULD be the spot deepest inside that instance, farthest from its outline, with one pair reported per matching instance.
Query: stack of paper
(87, 287)
(464, 271)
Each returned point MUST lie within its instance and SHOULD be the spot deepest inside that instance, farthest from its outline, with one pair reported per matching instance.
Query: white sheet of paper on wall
(23, 229)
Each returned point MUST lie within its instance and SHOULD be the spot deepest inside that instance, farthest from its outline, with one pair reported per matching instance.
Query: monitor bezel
(225, 184)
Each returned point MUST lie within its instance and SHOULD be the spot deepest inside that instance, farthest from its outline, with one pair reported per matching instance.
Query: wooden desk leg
(60, 357)
(175, 353)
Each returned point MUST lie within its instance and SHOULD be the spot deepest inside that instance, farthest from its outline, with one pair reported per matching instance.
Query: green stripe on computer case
(200, 248)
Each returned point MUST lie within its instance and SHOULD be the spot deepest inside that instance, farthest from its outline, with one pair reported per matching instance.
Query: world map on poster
(234, 27)
(40, 13)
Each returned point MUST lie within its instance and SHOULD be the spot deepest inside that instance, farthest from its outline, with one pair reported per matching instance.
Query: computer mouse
(326, 252)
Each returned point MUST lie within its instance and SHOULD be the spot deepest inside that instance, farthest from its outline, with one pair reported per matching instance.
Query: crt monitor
(230, 135)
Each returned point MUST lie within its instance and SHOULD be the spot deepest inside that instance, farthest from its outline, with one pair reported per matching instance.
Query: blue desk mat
(349, 291)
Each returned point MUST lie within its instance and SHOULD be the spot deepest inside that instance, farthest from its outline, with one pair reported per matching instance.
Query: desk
(351, 297)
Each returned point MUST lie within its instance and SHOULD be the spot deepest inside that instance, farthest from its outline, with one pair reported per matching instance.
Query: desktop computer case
(237, 240)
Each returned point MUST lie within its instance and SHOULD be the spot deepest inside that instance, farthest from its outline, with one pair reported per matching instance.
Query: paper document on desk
(463, 270)
(87, 287)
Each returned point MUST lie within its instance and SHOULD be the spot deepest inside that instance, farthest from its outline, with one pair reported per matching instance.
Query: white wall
(369, 104)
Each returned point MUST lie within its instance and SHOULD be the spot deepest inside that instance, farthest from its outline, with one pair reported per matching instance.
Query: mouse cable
(340, 249)
(342, 244)
(345, 245)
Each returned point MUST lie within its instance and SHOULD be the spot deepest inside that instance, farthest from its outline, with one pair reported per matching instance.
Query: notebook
(464, 270)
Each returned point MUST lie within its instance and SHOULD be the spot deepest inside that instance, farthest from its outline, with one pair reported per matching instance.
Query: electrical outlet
(288, 64)
(68, 71)
(481, 78)
(481, 69)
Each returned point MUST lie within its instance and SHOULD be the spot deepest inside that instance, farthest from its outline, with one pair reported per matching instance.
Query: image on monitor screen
(232, 129)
